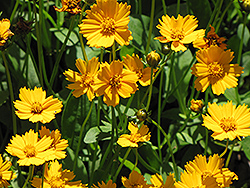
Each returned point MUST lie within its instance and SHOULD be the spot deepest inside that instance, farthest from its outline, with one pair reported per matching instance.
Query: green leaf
(3, 96)
(230, 95)
(246, 34)
(62, 33)
(127, 50)
(246, 146)
(246, 65)
(97, 133)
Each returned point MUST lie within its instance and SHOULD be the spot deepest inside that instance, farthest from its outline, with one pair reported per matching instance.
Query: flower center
(36, 108)
(56, 182)
(108, 26)
(115, 81)
(228, 124)
(72, 3)
(177, 35)
(215, 70)
(86, 81)
(204, 175)
(30, 151)
(139, 73)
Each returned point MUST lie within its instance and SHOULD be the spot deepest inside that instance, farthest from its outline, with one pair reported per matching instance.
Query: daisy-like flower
(211, 39)
(5, 31)
(114, 81)
(179, 31)
(71, 6)
(35, 106)
(212, 168)
(54, 176)
(135, 180)
(189, 180)
(29, 149)
(157, 181)
(58, 144)
(134, 64)
(84, 80)
(227, 121)
(106, 22)
(136, 135)
(5, 174)
(110, 184)
(213, 69)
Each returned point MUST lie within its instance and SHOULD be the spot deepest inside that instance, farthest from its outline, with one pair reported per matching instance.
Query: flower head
(83, 81)
(196, 105)
(157, 181)
(109, 184)
(71, 6)
(5, 174)
(227, 121)
(5, 31)
(106, 22)
(213, 69)
(211, 39)
(114, 81)
(136, 135)
(179, 31)
(29, 149)
(54, 176)
(35, 106)
(134, 64)
(58, 144)
(135, 180)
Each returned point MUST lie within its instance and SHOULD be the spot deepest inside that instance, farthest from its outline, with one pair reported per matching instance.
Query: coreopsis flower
(109, 184)
(5, 31)
(35, 106)
(58, 145)
(137, 135)
(54, 176)
(179, 31)
(135, 180)
(134, 64)
(83, 81)
(191, 180)
(211, 39)
(29, 149)
(212, 168)
(196, 105)
(227, 121)
(5, 174)
(114, 81)
(106, 22)
(71, 6)
(214, 68)
(157, 181)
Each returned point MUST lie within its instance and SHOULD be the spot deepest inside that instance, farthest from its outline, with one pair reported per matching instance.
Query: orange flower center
(215, 70)
(135, 137)
(86, 81)
(204, 175)
(115, 81)
(228, 124)
(177, 35)
(139, 73)
(108, 26)
(72, 3)
(30, 151)
(56, 182)
(36, 108)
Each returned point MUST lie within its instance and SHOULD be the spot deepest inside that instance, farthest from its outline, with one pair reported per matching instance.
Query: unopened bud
(165, 49)
(196, 105)
(153, 59)
(142, 114)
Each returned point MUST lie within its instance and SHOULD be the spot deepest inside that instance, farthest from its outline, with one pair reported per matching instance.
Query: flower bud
(245, 5)
(153, 59)
(196, 105)
(142, 114)
(165, 49)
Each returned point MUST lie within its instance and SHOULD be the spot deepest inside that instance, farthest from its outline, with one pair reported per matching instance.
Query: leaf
(3, 96)
(230, 95)
(246, 146)
(246, 34)
(246, 65)
(127, 50)
(96, 133)
(62, 33)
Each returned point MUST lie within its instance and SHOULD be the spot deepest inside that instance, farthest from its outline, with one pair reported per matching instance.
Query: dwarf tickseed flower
(135, 180)
(5, 31)
(71, 6)
(109, 184)
(157, 181)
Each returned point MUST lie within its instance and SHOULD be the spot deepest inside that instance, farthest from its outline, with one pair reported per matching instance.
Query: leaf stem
(150, 26)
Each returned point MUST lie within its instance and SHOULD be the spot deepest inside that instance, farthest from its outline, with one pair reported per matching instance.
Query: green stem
(37, 126)
(139, 6)
(178, 7)
(164, 7)
(30, 175)
(14, 10)
(213, 15)
(11, 92)
(136, 158)
(222, 16)
(150, 26)
(113, 51)
(122, 163)
(81, 37)
(218, 12)
(241, 40)
(206, 137)
(225, 151)
(81, 135)
(150, 89)
(230, 154)
(44, 165)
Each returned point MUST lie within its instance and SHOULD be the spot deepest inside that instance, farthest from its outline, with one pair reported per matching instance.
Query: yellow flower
(191, 180)
(211, 39)
(54, 176)
(214, 69)
(83, 81)
(71, 6)
(110, 184)
(227, 121)
(5, 174)
(5, 31)
(212, 168)
(135, 180)
(196, 105)
(29, 150)
(58, 144)
(157, 181)
(136, 135)
(135, 65)
(114, 81)
(106, 22)
(179, 31)
(35, 106)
